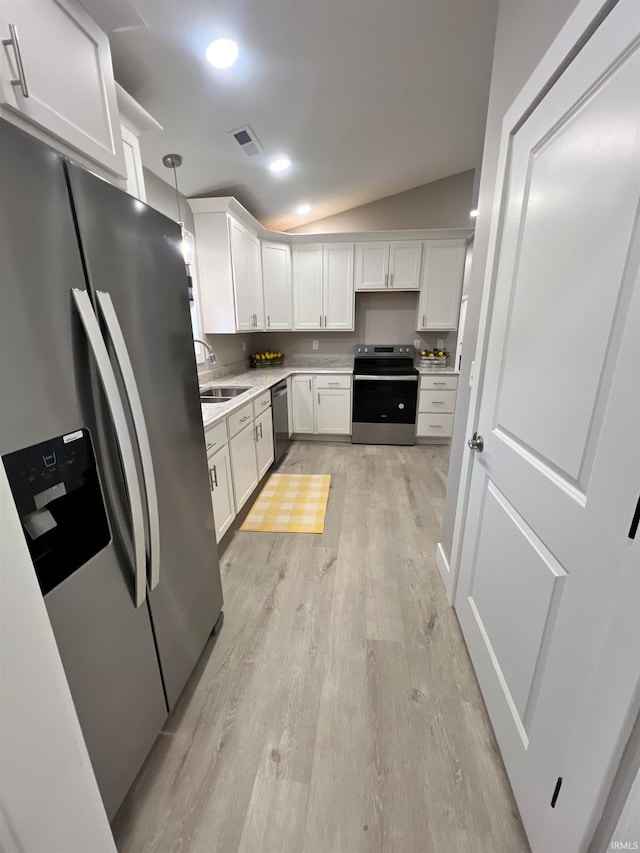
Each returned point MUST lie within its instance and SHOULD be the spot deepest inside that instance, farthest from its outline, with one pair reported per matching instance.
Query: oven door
(385, 399)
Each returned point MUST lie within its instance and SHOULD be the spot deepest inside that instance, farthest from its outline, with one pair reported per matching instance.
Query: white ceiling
(367, 97)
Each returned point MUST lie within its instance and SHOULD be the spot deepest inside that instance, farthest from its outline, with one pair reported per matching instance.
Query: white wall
(525, 29)
(49, 799)
(380, 318)
(440, 204)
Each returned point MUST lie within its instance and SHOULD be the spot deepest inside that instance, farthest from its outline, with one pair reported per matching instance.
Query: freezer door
(48, 388)
(133, 253)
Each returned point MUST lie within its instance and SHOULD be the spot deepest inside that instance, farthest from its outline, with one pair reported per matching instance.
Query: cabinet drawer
(439, 383)
(216, 437)
(440, 402)
(327, 381)
(261, 403)
(435, 425)
(238, 420)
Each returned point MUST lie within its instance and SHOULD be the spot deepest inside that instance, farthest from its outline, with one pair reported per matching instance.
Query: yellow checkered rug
(290, 503)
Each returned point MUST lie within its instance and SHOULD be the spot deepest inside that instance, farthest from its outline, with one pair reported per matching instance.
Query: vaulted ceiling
(367, 97)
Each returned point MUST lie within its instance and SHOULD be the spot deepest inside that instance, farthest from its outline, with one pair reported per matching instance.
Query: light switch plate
(244, 346)
(440, 343)
(416, 343)
(314, 344)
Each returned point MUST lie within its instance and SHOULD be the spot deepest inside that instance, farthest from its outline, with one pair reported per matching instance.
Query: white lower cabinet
(436, 405)
(224, 510)
(263, 427)
(322, 405)
(302, 404)
(243, 464)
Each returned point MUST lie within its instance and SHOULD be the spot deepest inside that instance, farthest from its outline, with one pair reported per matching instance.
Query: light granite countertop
(261, 379)
(256, 381)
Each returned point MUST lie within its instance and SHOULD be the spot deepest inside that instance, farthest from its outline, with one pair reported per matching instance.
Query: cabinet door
(307, 286)
(133, 165)
(302, 403)
(244, 469)
(372, 266)
(264, 444)
(405, 258)
(333, 411)
(247, 279)
(290, 406)
(338, 286)
(276, 284)
(67, 70)
(224, 510)
(443, 266)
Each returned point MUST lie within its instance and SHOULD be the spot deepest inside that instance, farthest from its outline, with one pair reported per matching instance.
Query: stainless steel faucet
(211, 358)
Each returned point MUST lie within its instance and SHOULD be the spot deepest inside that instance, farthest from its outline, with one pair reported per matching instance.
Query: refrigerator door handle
(108, 312)
(108, 380)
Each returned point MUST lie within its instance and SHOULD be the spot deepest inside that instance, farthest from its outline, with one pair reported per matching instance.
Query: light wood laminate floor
(337, 711)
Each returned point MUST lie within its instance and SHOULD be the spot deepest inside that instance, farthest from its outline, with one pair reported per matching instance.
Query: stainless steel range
(385, 395)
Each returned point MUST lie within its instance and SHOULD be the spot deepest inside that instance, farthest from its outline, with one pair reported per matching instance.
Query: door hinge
(556, 791)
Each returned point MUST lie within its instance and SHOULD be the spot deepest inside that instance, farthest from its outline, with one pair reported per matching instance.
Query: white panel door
(276, 284)
(441, 286)
(547, 560)
(244, 469)
(133, 165)
(333, 411)
(302, 404)
(405, 261)
(264, 442)
(221, 485)
(307, 286)
(372, 266)
(68, 76)
(338, 286)
(254, 284)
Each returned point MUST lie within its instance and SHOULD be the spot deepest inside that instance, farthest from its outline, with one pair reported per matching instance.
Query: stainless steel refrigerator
(101, 436)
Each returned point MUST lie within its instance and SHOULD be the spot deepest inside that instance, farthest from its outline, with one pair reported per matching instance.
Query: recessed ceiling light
(301, 209)
(222, 53)
(473, 214)
(280, 164)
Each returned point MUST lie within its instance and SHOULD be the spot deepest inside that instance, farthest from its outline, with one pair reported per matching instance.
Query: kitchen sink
(220, 395)
(231, 391)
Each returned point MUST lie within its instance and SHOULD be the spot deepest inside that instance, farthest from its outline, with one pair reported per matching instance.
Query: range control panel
(386, 350)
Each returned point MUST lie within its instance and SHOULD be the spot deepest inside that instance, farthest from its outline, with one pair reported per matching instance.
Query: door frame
(580, 26)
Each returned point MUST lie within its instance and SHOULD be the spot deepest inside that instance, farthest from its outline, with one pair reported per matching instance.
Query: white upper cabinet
(405, 258)
(247, 278)
(391, 265)
(338, 286)
(443, 267)
(134, 120)
(276, 283)
(229, 273)
(323, 286)
(372, 266)
(56, 80)
(307, 287)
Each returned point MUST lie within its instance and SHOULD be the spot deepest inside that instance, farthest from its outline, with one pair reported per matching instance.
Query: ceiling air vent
(247, 140)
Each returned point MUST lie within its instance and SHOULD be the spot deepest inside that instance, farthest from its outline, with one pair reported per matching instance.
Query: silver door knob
(476, 442)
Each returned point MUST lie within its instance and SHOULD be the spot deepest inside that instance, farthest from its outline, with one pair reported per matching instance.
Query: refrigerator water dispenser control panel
(57, 493)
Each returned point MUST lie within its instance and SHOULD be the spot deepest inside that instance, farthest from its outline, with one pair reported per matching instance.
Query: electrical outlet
(440, 343)
(416, 343)
(244, 346)
(314, 344)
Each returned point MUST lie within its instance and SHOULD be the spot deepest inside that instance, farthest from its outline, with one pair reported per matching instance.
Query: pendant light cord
(175, 180)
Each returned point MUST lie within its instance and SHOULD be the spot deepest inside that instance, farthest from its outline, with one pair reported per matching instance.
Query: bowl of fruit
(266, 359)
(433, 358)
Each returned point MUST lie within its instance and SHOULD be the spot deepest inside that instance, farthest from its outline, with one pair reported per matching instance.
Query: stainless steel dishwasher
(280, 407)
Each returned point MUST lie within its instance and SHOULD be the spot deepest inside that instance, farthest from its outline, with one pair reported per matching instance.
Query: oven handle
(386, 378)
